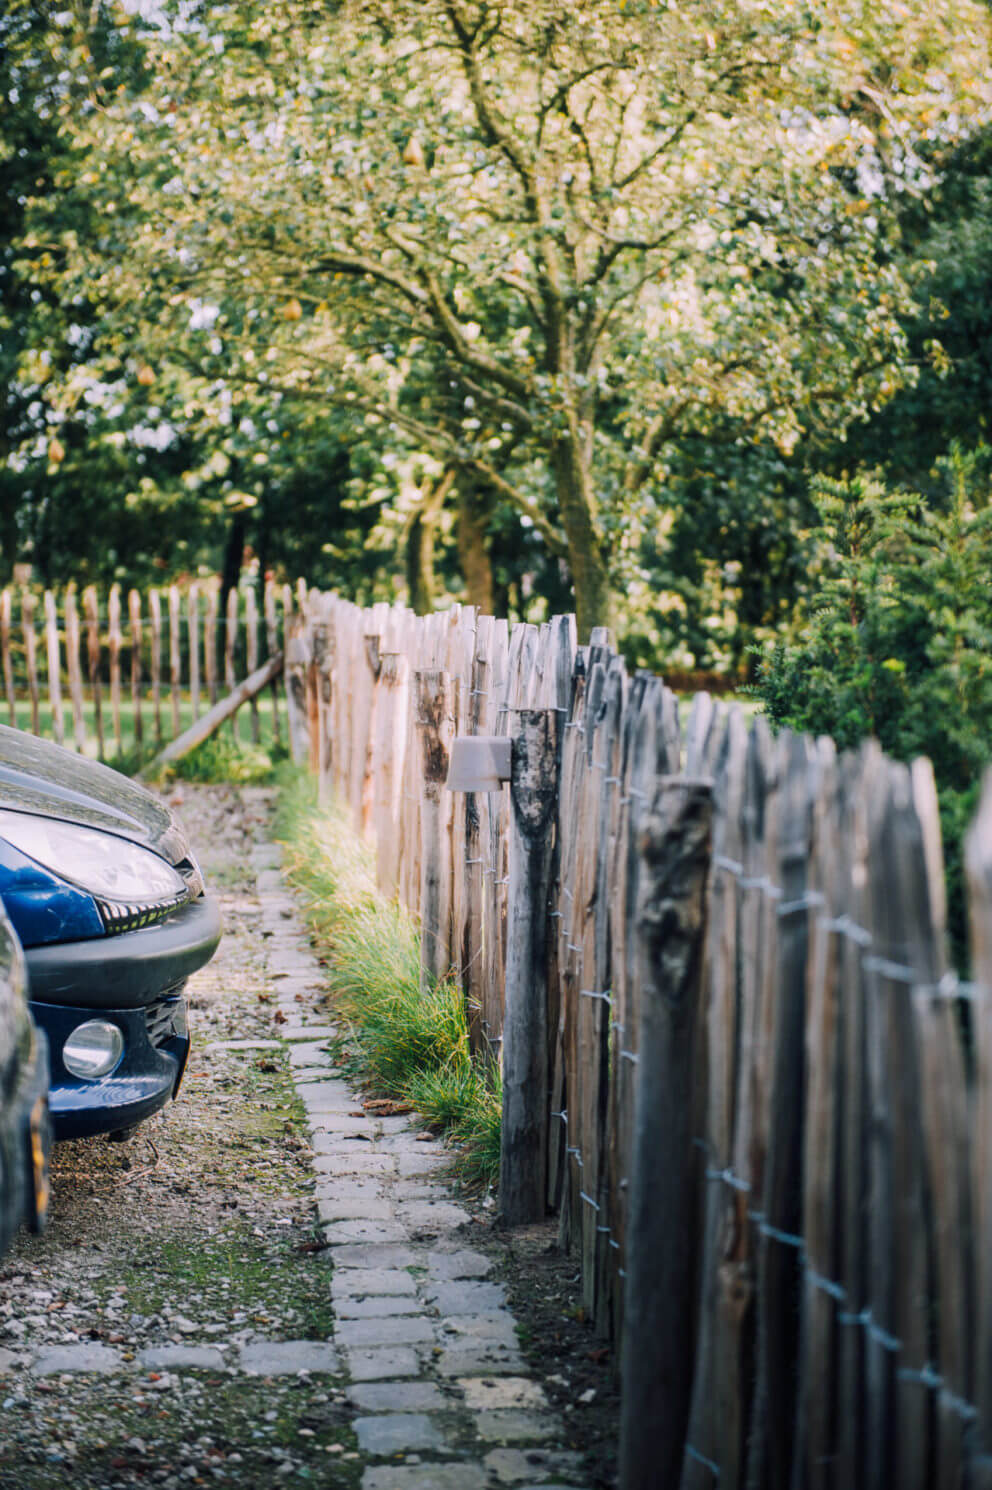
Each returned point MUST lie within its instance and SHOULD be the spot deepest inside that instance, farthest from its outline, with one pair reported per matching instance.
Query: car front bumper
(148, 1075)
(130, 970)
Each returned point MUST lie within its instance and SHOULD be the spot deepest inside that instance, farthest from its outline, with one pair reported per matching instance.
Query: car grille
(159, 1021)
(117, 916)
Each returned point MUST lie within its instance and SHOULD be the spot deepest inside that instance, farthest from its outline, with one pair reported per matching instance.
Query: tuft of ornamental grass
(401, 1042)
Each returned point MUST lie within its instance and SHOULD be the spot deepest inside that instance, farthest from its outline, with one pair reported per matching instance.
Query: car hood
(37, 776)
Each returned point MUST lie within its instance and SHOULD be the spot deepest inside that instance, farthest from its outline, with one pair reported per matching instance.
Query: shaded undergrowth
(401, 1042)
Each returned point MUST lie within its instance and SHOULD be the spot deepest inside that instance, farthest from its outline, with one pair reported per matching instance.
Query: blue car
(108, 902)
(25, 1133)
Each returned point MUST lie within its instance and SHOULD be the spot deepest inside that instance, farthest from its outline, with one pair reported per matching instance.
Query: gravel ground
(139, 1337)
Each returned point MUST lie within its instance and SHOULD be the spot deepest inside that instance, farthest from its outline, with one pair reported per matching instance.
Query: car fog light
(180, 1020)
(93, 1049)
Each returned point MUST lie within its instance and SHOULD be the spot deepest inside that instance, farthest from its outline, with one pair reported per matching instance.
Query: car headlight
(93, 1049)
(107, 866)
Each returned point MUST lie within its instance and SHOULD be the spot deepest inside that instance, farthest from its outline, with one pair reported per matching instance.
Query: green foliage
(536, 246)
(402, 1042)
(222, 758)
(898, 642)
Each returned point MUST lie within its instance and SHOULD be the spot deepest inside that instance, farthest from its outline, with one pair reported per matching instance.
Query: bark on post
(533, 809)
(658, 1308)
(436, 729)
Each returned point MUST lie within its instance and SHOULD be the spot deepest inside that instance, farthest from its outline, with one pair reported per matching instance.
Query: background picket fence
(115, 673)
(767, 1099)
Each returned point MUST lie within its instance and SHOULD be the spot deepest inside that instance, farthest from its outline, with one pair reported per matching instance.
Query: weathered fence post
(134, 615)
(272, 643)
(533, 809)
(388, 747)
(251, 655)
(297, 666)
(114, 639)
(210, 645)
(175, 659)
(318, 704)
(155, 619)
(30, 655)
(436, 730)
(193, 635)
(75, 673)
(8, 665)
(93, 661)
(656, 1355)
(54, 667)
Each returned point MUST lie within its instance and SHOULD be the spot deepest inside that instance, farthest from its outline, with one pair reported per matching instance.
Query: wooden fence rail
(767, 1100)
(148, 666)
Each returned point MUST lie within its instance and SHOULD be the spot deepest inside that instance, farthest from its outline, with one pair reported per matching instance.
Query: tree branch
(495, 129)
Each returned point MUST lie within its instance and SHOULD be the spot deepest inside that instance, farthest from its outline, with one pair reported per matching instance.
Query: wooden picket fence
(766, 1099)
(98, 673)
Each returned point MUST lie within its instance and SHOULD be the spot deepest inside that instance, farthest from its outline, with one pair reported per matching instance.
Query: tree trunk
(594, 600)
(420, 562)
(474, 509)
(233, 553)
(421, 532)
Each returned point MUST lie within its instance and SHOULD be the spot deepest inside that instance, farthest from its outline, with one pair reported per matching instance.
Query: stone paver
(381, 1364)
(398, 1432)
(397, 1396)
(181, 1358)
(286, 1357)
(361, 1208)
(376, 1306)
(462, 1264)
(55, 1359)
(486, 1393)
(526, 1466)
(480, 1361)
(512, 1425)
(466, 1296)
(426, 1477)
(365, 1232)
(402, 1330)
(360, 1282)
(373, 1255)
